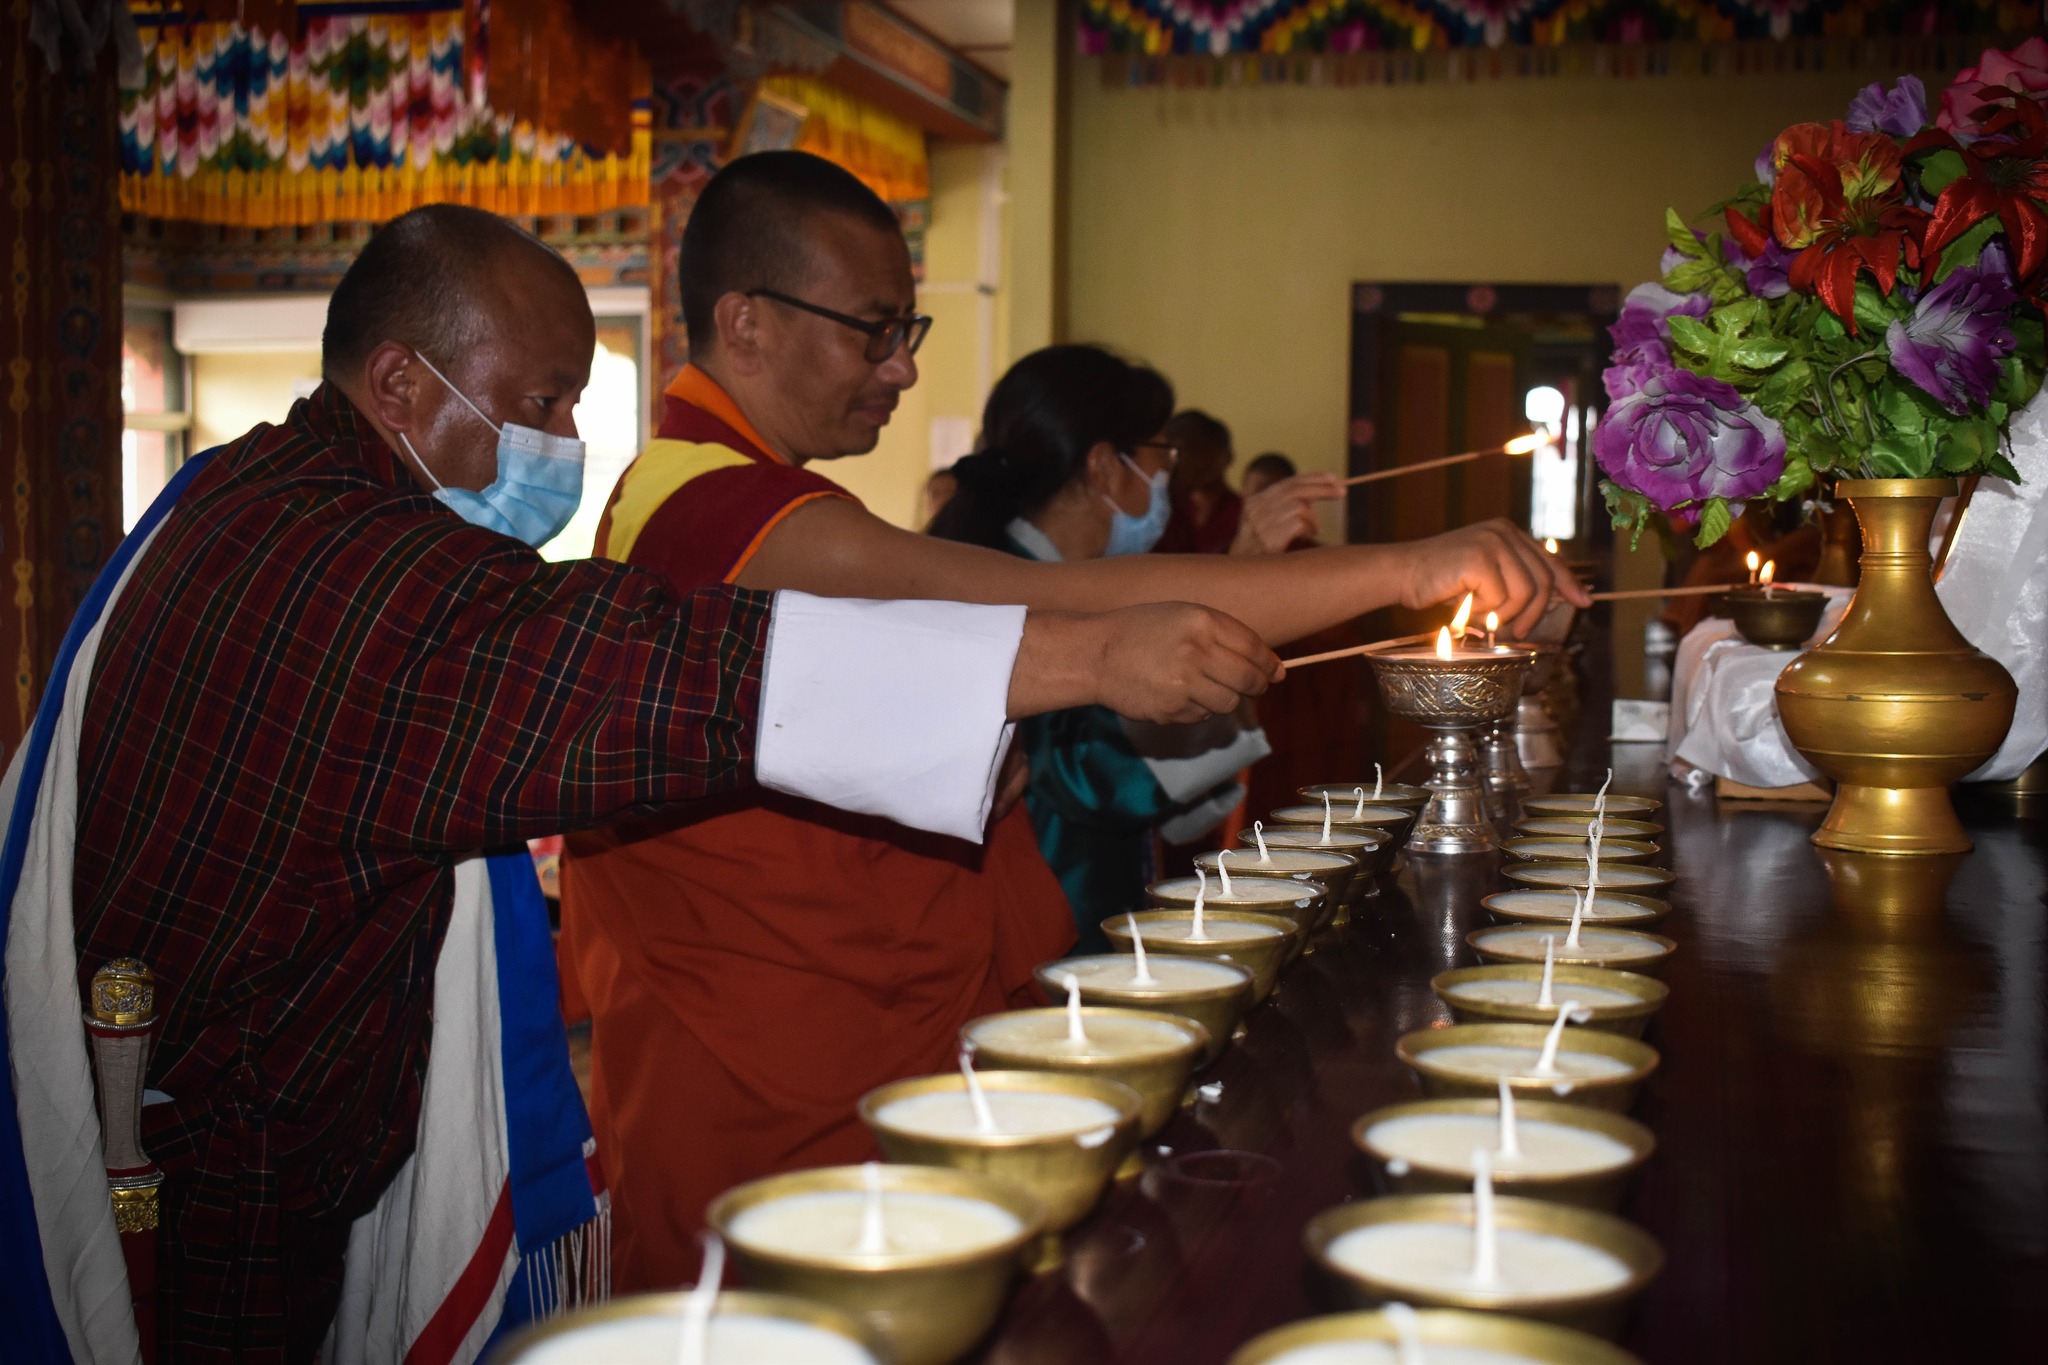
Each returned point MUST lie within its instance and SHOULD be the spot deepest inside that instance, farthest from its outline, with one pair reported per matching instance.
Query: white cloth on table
(896, 709)
(1995, 586)
(1724, 713)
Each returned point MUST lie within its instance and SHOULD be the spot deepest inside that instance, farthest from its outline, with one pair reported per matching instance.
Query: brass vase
(1896, 704)
(1839, 543)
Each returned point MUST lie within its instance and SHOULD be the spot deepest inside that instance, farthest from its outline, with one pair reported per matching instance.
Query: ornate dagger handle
(121, 1022)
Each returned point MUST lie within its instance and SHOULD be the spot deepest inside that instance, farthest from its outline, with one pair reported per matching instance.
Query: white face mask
(539, 483)
(1129, 535)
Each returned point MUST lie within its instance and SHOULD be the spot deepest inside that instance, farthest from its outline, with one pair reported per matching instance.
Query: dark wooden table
(1852, 1111)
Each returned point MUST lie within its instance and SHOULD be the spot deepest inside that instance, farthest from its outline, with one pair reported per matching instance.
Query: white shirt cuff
(896, 709)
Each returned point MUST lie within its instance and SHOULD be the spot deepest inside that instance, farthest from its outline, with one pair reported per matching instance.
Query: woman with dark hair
(1073, 466)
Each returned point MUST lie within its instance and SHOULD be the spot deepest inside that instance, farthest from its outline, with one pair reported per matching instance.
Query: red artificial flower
(1837, 203)
(2005, 176)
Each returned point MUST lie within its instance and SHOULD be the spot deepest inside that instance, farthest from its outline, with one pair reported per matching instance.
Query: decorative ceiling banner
(1248, 42)
(886, 152)
(368, 110)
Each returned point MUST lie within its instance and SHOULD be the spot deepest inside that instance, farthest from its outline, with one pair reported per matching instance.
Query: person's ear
(738, 323)
(393, 392)
(1105, 469)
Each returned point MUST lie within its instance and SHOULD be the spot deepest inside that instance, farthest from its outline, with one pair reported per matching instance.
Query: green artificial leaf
(1940, 170)
(1797, 478)
(1827, 329)
(1680, 236)
(1871, 370)
(1904, 407)
(1758, 353)
(1693, 277)
(1962, 449)
(1784, 387)
(1627, 510)
(1901, 455)
(1873, 313)
(1715, 519)
(1691, 335)
(2002, 467)
(1966, 249)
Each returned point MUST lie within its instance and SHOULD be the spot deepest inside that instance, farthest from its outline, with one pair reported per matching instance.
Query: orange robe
(753, 971)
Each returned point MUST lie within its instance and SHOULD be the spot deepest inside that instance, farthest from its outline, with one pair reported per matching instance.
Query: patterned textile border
(1879, 56)
(60, 354)
(361, 117)
(1222, 28)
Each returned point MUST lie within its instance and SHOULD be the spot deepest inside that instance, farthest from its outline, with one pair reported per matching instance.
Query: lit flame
(1492, 623)
(1550, 544)
(1751, 560)
(1443, 642)
(1464, 615)
(1770, 571)
(1522, 445)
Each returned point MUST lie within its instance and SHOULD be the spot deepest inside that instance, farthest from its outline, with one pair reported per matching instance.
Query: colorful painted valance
(886, 152)
(1229, 28)
(359, 117)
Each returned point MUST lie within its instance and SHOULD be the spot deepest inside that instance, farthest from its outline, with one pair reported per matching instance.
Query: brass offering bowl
(1159, 1074)
(610, 1326)
(1553, 905)
(1327, 870)
(1581, 803)
(1600, 1313)
(1067, 1171)
(1574, 826)
(1455, 697)
(1393, 821)
(1618, 949)
(1778, 619)
(1262, 956)
(1216, 1008)
(1616, 1091)
(1305, 904)
(1648, 996)
(1373, 848)
(1558, 848)
(1516, 1338)
(1588, 1190)
(1620, 877)
(1403, 794)
(928, 1307)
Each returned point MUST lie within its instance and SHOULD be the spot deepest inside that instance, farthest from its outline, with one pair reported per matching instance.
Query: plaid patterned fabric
(320, 691)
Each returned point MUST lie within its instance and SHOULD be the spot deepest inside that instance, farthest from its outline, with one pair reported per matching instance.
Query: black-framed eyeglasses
(1167, 450)
(883, 337)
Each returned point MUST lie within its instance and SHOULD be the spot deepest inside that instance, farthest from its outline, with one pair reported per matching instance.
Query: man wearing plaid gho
(329, 671)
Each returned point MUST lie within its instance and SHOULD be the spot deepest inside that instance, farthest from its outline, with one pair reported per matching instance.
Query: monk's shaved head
(425, 279)
(748, 230)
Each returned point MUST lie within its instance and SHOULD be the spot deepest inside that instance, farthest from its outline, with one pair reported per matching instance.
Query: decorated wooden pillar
(60, 350)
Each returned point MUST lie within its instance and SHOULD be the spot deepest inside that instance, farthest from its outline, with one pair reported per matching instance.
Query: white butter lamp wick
(1407, 1334)
(1579, 904)
(1570, 1012)
(1600, 799)
(1543, 997)
(984, 1117)
(874, 1235)
(1198, 934)
(1259, 834)
(1359, 813)
(1222, 872)
(1379, 777)
(1326, 817)
(1075, 1033)
(1510, 1130)
(701, 1302)
(1485, 1231)
(1141, 974)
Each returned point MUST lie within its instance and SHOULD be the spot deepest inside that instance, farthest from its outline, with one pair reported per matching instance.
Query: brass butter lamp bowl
(1404, 794)
(1602, 1189)
(1553, 905)
(929, 1307)
(1393, 821)
(1217, 1008)
(1374, 848)
(1566, 848)
(1621, 877)
(1262, 956)
(1157, 1072)
(1777, 618)
(1615, 1090)
(1541, 1343)
(1895, 705)
(607, 1331)
(1067, 1171)
(1327, 870)
(1600, 1312)
(1646, 995)
(1621, 949)
(1452, 695)
(1305, 904)
(1575, 827)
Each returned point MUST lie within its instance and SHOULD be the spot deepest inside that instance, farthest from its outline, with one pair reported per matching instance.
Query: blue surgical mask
(539, 483)
(1129, 535)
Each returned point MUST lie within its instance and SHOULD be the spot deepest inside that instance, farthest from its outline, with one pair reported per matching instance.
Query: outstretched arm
(833, 547)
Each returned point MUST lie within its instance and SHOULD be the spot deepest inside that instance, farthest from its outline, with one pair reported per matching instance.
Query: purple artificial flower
(1768, 276)
(1767, 166)
(1959, 332)
(1898, 112)
(1642, 335)
(1682, 438)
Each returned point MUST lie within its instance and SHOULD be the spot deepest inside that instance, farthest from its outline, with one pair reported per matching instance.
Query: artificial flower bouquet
(1874, 309)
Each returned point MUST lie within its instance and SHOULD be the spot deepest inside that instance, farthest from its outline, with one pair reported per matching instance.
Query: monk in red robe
(752, 972)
